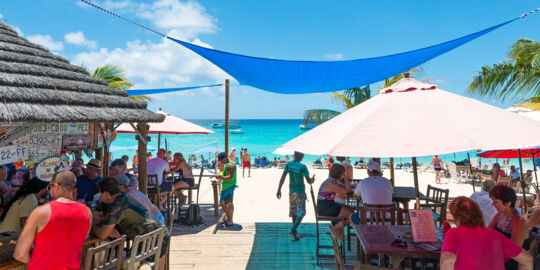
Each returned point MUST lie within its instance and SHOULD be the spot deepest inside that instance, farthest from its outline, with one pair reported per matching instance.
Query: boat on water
(232, 125)
(305, 127)
(237, 131)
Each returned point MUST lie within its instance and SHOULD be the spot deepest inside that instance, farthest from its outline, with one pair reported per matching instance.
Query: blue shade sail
(165, 90)
(301, 77)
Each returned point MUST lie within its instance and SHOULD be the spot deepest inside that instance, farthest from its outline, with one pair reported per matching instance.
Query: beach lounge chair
(282, 163)
(317, 164)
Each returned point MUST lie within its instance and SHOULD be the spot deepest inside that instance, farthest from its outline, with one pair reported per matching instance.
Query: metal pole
(392, 171)
(522, 181)
(535, 176)
(470, 173)
(415, 174)
(159, 140)
(227, 116)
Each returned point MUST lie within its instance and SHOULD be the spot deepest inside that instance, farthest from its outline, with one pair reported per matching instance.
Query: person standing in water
(297, 190)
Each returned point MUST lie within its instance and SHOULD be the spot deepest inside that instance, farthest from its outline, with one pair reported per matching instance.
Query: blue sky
(298, 30)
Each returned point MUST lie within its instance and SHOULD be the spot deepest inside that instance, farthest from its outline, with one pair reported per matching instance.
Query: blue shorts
(227, 195)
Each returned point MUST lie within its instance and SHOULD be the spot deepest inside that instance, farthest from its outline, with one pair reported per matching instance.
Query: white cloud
(333, 56)
(18, 30)
(47, 42)
(163, 63)
(78, 38)
(1, 16)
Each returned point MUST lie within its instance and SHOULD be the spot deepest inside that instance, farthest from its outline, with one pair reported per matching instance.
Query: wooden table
(375, 239)
(405, 194)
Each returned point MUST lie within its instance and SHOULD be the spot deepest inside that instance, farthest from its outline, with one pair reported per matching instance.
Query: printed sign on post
(44, 140)
(46, 169)
(422, 226)
(61, 128)
(13, 153)
(76, 142)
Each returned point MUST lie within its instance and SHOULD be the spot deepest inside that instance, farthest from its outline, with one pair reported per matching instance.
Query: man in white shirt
(159, 165)
(375, 189)
(484, 201)
(516, 176)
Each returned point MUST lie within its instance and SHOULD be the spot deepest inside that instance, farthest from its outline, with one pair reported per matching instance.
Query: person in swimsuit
(185, 178)
(508, 221)
(326, 204)
(246, 162)
(437, 164)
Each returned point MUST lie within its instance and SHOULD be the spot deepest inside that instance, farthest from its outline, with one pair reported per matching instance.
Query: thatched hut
(38, 86)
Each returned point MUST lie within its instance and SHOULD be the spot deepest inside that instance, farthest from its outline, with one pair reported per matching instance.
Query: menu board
(422, 226)
(13, 153)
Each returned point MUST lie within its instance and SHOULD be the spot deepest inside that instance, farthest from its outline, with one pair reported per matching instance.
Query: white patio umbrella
(171, 125)
(283, 152)
(412, 119)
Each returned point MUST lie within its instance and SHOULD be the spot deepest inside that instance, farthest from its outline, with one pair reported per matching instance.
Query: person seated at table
(484, 201)
(118, 166)
(125, 186)
(125, 215)
(17, 179)
(326, 204)
(516, 176)
(508, 221)
(87, 182)
(57, 229)
(472, 246)
(496, 172)
(19, 208)
(185, 180)
(375, 189)
(7, 191)
(78, 166)
(159, 166)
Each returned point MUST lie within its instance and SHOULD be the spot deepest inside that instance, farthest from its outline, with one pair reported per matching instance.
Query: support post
(141, 152)
(533, 154)
(470, 173)
(522, 182)
(227, 116)
(416, 191)
(392, 172)
(159, 140)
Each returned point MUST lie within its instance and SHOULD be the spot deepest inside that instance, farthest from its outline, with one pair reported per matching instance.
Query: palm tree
(116, 76)
(517, 76)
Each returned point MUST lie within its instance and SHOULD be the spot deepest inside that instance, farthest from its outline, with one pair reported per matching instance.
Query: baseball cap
(221, 156)
(94, 163)
(122, 179)
(374, 166)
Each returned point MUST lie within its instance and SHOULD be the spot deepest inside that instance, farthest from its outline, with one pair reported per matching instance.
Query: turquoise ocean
(261, 138)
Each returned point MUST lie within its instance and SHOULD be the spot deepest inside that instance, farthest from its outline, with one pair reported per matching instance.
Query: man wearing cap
(375, 189)
(297, 190)
(55, 247)
(87, 182)
(228, 186)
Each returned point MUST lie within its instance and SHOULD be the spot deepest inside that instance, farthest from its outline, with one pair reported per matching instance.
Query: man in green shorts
(228, 186)
(297, 190)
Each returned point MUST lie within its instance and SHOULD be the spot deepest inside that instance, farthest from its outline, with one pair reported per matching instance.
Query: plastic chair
(107, 256)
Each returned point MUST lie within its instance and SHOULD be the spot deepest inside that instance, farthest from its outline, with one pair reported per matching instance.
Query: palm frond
(117, 78)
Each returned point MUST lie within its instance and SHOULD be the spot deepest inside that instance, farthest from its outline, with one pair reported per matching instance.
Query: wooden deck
(247, 246)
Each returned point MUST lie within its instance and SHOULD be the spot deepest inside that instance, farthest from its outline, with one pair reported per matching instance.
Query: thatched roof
(38, 86)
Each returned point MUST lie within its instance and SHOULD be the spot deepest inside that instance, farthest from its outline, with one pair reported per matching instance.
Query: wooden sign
(13, 153)
(76, 142)
(46, 169)
(61, 128)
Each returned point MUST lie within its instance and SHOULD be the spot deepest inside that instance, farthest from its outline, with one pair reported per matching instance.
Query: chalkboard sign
(76, 142)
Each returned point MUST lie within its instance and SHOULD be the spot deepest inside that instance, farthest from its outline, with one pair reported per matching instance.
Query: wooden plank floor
(248, 246)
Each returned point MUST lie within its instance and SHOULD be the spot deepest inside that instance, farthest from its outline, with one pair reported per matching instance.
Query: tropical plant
(116, 77)
(519, 76)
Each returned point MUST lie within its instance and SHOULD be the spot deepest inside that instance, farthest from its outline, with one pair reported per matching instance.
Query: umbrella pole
(392, 171)
(158, 140)
(227, 116)
(522, 181)
(535, 176)
(470, 173)
(415, 174)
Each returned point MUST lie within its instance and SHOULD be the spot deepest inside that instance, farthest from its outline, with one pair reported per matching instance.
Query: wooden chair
(153, 188)
(319, 218)
(340, 265)
(377, 214)
(437, 202)
(145, 246)
(194, 187)
(107, 256)
(173, 209)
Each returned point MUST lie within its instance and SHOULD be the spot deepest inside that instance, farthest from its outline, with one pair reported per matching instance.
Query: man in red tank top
(57, 229)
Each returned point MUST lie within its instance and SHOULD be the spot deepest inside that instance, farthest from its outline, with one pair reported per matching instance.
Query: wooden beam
(392, 171)
(141, 152)
(416, 191)
(227, 117)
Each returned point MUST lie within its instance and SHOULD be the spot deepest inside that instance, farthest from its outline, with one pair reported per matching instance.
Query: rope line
(191, 145)
(123, 18)
(529, 13)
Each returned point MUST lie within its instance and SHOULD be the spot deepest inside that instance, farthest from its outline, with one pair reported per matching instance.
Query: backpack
(193, 215)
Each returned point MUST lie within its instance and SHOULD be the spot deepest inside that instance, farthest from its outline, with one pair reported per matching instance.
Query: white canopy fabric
(283, 152)
(525, 112)
(171, 125)
(413, 119)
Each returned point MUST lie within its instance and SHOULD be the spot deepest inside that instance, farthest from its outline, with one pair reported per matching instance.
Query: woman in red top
(497, 172)
(473, 246)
